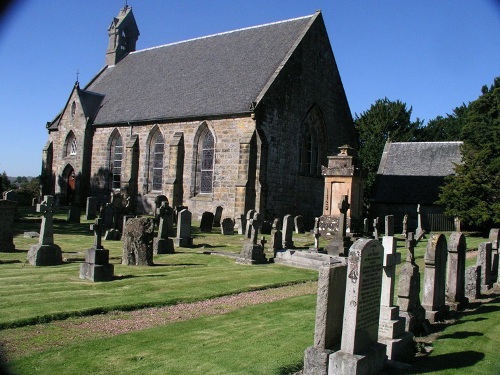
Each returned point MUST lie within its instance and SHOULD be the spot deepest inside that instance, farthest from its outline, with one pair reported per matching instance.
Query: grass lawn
(267, 338)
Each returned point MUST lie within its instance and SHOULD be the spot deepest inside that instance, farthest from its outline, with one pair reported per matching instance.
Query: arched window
(156, 152)
(71, 145)
(312, 144)
(115, 160)
(204, 160)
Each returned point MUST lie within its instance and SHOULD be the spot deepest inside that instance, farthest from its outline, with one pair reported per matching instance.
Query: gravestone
(96, 266)
(473, 282)
(409, 290)
(494, 238)
(484, 260)
(266, 228)
(455, 276)
(74, 213)
(433, 300)
(159, 199)
(253, 252)
(317, 235)
(329, 318)
(45, 253)
(277, 236)
(405, 225)
(207, 221)
(217, 216)
(299, 224)
(7, 213)
(108, 216)
(161, 243)
(340, 244)
(366, 230)
(227, 227)
(10, 195)
(184, 238)
(288, 227)
(240, 224)
(420, 224)
(391, 326)
(360, 353)
(138, 242)
(248, 223)
(91, 208)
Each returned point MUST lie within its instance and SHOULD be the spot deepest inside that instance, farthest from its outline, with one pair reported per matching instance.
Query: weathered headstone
(420, 224)
(405, 225)
(207, 221)
(316, 234)
(277, 236)
(329, 318)
(360, 353)
(340, 244)
(248, 223)
(227, 226)
(184, 238)
(91, 208)
(455, 276)
(391, 326)
(433, 300)
(109, 223)
(74, 213)
(484, 260)
(96, 266)
(288, 227)
(45, 253)
(366, 230)
(217, 216)
(138, 242)
(162, 244)
(240, 224)
(409, 290)
(473, 282)
(376, 228)
(7, 213)
(253, 252)
(299, 224)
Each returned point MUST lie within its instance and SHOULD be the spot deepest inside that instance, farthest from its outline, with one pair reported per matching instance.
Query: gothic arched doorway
(70, 180)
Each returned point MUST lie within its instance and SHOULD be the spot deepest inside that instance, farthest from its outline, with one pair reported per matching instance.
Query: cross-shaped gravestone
(256, 223)
(263, 241)
(410, 243)
(46, 208)
(97, 227)
(343, 207)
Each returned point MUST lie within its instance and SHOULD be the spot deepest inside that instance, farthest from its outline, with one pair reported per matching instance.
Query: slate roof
(412, 172)
(214, 75)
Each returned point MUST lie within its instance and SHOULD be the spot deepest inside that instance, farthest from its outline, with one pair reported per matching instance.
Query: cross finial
(77, 75)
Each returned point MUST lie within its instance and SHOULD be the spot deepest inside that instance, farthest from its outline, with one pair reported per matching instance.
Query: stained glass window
(116, 161)
(158, 147)
(207, 163)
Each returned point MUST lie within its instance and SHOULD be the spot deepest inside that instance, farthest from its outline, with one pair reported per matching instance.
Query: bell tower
(123, 34)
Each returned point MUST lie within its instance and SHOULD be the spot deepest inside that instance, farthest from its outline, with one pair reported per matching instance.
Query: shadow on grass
(461, 335)
(449, 361)
(291, 369)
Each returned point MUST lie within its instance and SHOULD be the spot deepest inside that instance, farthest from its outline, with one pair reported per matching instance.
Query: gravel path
(19, 342)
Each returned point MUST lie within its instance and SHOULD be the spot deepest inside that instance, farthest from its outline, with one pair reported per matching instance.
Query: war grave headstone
(91, 208)
(494, 238)
(138, 242)
(253, 252)
(207, 221)
(227, 226)
(340, 244)
(248, 223)
(288, 228)
(74, 213)
(391, 325)
(299, 224)
(184, 238)
(217, 216)
(96, 266)
(277, 236)
(329, 318)
(409, 291)
(162, 244)
(7, 212)
(484, 260)
(46, 252)
(360, 353)
(455, 275)
(473, 282)
(433, 300)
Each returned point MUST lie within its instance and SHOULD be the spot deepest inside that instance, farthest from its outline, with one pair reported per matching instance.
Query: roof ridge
(222, 33)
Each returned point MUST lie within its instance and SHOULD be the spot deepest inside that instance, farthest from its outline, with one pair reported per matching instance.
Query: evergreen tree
(443, 129)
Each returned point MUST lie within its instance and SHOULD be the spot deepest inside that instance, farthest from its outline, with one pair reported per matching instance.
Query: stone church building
(242, 119)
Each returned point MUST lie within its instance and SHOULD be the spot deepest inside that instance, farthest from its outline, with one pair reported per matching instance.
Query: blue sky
(432, 55)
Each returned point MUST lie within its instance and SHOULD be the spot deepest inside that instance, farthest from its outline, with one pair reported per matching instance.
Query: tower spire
(123, 34)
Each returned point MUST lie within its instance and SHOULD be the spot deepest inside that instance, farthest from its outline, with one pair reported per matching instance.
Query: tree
(385, 120)
(5, 182)
(473, 192)
(447, 128)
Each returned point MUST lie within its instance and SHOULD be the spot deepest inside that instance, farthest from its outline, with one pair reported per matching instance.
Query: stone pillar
(360, 353)
(435, 258)
(329, 318)
(455, 276)
(173, 183)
